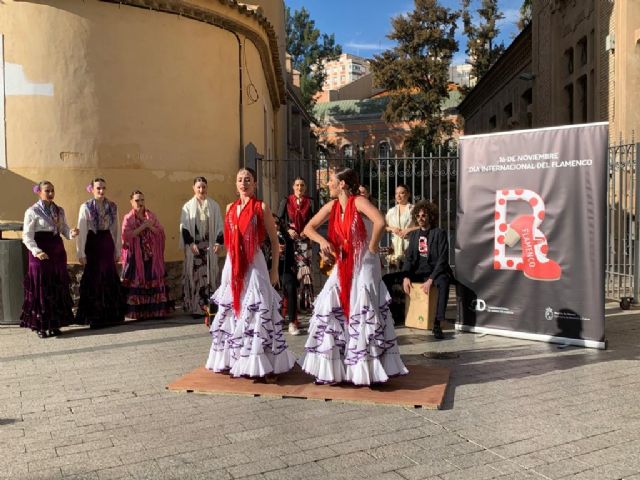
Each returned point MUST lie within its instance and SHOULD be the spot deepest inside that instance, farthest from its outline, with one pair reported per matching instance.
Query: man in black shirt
(426, 260)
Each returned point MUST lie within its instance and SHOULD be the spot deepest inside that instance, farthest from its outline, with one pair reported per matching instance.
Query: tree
(416, 72)
(482, 47)
(308, 48)
(525, 14)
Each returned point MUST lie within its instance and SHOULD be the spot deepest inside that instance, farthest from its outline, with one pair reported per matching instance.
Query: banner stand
(576, 342)
(531, 228)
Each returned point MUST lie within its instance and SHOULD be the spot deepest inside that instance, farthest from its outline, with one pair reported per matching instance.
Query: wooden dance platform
(423, 387)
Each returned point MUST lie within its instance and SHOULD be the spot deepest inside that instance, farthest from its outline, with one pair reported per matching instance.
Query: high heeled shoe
(535, 264)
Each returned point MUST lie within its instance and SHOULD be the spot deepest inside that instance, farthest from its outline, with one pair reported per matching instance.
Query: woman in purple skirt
(101, 298)
(47, 298)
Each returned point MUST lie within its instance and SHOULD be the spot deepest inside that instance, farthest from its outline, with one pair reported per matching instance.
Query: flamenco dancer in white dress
(247, 337)
(351, 334)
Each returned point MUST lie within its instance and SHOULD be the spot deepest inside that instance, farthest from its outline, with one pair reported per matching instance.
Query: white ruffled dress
(251, 344)
(365, 349)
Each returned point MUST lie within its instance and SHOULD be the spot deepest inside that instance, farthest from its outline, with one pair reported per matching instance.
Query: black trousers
(289, 285)
(442, 283)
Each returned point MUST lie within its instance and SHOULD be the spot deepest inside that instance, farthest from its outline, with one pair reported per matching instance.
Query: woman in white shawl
(200, 237)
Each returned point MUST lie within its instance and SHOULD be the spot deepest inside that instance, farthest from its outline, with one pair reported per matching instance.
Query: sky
(361, 26)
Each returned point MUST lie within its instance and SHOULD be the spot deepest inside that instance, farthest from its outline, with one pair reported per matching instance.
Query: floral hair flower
(90, 187)
(36, 188)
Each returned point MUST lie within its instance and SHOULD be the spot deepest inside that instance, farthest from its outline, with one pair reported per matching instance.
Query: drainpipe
(241, 103)
(218, 25)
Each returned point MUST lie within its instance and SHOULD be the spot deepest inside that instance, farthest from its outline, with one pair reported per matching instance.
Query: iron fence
(434, 177)
(430, 177)
(622, 253)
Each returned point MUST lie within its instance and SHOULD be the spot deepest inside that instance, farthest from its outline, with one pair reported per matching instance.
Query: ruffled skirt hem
(252, 343)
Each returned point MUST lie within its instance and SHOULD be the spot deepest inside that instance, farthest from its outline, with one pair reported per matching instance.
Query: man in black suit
(426, 260)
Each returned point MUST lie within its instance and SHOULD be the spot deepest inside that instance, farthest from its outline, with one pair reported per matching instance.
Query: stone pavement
(92, 405)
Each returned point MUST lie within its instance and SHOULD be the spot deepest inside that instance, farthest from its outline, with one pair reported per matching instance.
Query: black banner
(530, 240)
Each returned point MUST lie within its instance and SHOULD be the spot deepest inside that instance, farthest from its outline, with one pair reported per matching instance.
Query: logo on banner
(524, 229)
(548, 313)
(478, 305)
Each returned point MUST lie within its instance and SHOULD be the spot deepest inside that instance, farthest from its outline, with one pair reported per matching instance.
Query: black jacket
(420, 267)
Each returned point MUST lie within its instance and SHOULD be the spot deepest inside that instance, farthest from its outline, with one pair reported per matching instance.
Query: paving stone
(254, 468)
(387, 464)
(340, 462)
(483, 457)
(538, 409)
(561, 468)
(84, 447)
(428, 469)
(307, 456)
(301, 471)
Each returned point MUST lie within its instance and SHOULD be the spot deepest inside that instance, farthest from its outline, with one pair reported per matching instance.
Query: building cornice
(268, 50)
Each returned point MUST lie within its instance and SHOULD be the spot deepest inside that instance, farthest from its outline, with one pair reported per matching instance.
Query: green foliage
(308, 47)
(482, 48)
(416, 72)
(525, 14)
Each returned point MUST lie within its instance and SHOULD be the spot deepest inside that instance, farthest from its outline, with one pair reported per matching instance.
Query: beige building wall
(625, 67)
(146, 99)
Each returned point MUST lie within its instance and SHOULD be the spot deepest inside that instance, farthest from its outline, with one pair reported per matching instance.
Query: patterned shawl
(110, 213)
(243, 234)
(299, 215)
(148, 241)
(52, 214)
(348, 236)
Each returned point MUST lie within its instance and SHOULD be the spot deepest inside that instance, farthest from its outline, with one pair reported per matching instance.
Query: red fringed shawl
(299, 215)
(348, 236)
(243, 234)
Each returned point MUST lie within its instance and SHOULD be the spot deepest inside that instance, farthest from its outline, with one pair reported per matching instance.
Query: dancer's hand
(406, 285)
(292, 233)
(82, 261)
(42, 256)
(74, 232)
(326, 248)
(194, 249)
(374, 248)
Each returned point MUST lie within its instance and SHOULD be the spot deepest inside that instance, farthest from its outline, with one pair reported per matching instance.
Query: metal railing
(433, 177)
(430, 176)
(622, 253)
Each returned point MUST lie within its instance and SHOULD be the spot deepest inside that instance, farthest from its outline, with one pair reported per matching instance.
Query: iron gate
(622, 255)
(430, 177)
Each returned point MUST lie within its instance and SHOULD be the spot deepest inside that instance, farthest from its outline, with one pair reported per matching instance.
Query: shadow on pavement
(525, 359)
(174, 320)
